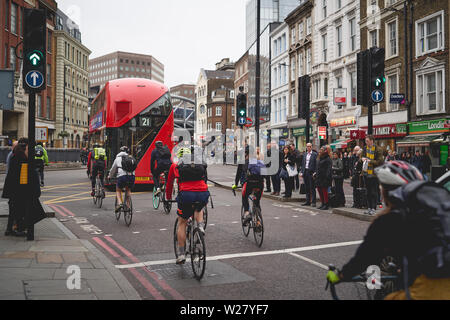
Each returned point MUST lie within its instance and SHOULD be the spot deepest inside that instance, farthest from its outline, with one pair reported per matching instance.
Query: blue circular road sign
(377, 96)
(34, 79)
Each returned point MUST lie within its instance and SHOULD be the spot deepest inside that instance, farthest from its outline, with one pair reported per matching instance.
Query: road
(291, 264)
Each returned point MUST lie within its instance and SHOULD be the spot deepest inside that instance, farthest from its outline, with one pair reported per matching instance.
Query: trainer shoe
(181, 259)
(119, 207)
(158, 191)
(92, 193)
(247, 219)
(201, 227)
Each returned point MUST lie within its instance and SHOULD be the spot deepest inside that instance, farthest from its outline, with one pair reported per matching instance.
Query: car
(444, 181)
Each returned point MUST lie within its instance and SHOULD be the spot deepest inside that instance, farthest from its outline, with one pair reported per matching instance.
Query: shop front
(387, 136)
(431, 136)
(340, 128)
(299, 135)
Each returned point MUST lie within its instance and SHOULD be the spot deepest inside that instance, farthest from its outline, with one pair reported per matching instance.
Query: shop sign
(285, 133)
(389, 131)
(96, 122)
(340, 97)
(41, 134)
(431, 126)
(343, 122)
(301, 132)
(401, 128)
(322, 133)
(357, 134)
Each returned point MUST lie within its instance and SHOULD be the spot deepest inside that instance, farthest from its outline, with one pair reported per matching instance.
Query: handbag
(292, 171)
(283, 174)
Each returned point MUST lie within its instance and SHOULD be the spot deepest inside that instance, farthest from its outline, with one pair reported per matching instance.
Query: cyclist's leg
(156, 178)
(181, 232)
(119, 192)
(245, 193)
(258, 195)
(94, 177)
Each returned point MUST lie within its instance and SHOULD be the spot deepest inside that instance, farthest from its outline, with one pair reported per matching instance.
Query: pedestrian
(288, 160)
(308, 169)
(298, 158)
(403, 157)
(11, 217)
(357, 182)
(40, 160)
(346, 162)
(267, 178)
(373, 158)
(338, 179)
(396, 157)
(323, 177)
(390, 156)
(408, 157)
(448, 164)
(417, 161)
(23, 193)
(276, 181)
(426, 164)
(353, 159)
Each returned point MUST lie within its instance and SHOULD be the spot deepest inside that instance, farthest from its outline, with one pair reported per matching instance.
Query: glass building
(271, 11)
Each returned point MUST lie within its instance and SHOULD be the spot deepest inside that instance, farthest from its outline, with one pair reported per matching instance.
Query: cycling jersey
(196, 186)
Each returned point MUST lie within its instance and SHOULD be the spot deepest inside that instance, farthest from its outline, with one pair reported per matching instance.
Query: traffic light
(363, 78)
(241, 109)
(34, 50)
(377, 78)
(304, 85)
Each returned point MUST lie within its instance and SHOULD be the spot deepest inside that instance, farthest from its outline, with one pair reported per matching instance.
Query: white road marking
(294, 216)
(309, 260)
(136, 232)
(242, 255)
(235, 222)
(162, 229)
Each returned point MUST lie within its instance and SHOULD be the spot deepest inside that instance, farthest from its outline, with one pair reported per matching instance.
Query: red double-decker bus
(134, 113)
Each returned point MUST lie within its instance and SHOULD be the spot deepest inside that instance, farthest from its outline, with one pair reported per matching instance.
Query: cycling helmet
(124, 149)
(394, 174)
(159, 144)
(182, 152)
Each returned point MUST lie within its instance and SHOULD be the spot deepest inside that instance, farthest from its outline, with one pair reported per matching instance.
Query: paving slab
(26, 273)
(53, 287)
(74, 257)
(46, 258)
(86, 274)
(71, 297)
(56, 249)
(15, 263)
(10, 287)
(18, 255)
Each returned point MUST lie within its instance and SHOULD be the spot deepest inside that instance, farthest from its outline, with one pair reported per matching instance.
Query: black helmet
(124, 149)
(159, 144)
(395, 174)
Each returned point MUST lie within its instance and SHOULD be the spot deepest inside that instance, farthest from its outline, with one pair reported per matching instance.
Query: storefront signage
(389, 131)
(431, 126)
(340, 96)
(322, 133)
(301, 132)
(343, 122)
(397, 98)
(96, 122)
(42, 134)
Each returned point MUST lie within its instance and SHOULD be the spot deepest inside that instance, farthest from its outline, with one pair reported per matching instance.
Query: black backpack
(39, 152)
(426, 207)
(129, 163)
(164, 153)
(191, 172)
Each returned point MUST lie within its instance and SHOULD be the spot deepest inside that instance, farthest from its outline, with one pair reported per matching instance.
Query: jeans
(372, 192)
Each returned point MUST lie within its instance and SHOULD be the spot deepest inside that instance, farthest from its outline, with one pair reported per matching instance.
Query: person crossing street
(40, 160)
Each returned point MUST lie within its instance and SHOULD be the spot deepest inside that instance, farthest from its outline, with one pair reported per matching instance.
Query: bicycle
(195, 246)
(99, 192)
(390, 282)
(126, 208)
(256, 223)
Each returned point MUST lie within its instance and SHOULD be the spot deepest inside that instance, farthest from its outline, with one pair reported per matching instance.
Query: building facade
(241, 77)
(118, 65)
(72, 85)
(14, 123)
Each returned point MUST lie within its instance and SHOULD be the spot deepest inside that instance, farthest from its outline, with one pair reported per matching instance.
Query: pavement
(48, 268)
(54, 166)
(223, 177)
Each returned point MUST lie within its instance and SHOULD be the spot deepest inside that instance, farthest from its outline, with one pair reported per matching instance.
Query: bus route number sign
(145, 122)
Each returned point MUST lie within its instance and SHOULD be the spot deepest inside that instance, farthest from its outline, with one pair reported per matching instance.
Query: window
(352, 34)
(430, 92)
(275, 49)
(373, 35)
(429, 33)
(283, 42)
(219, 126)
(293, 99)
(275, 108)
(48, 108)
(392, 86)
(49, 42)
(300, 64)
(325, 87)
(12, 58)
(324, 47)
(49, 75)
(292, 69)
(339, 40)
(339, 4)
(392, 39)
(218, 111)
(293, 35)
(324, 9)
(300, 31)
(6, 14)
(316, 89)
(39, 106)
(353, 86)
(13, 18)
(308, 25)
(308, 60)
(209, 112)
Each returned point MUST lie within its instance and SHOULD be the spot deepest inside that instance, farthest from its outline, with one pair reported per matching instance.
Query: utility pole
(258, 70)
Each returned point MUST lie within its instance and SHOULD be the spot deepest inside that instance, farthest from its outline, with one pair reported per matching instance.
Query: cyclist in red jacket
(193, 196)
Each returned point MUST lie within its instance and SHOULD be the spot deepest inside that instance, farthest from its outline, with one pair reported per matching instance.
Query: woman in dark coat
(323, 177)
(288, 159)
(23, 195)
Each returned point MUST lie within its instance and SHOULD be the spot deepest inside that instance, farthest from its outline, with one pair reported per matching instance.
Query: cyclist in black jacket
(160, 162)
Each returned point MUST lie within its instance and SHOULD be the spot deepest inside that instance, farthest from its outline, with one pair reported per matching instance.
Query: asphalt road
(298, 245)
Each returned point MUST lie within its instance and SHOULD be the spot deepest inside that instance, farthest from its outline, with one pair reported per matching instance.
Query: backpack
(39, 152)
(254, 171)
(191, 172)
(164, 153)
(129, 163)
(426, 205)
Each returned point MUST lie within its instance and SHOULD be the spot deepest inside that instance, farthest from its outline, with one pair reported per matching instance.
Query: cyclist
(389, 235)
(160, 163)
(40, 160)
(192, 198)
(125, 176)
(98, 167)
(249, 175)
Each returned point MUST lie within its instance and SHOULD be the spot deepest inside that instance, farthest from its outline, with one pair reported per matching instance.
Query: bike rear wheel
(128, 210)
(245, 229)
(156, 199)
(117, 213)
(205, 216)
(198, 254)
(258, 226)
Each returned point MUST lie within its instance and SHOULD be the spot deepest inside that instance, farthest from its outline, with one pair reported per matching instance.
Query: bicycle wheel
(128, 210)
(198, 254)
(258, 226)
(99, 201)
(156, 199)
(117, 213)
(205, 216)
(167, 205)
(175, 238)
(245, 229)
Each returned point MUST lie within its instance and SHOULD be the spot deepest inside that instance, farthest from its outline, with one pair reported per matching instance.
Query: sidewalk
(37, 270)
(53, 166)
(223, 177)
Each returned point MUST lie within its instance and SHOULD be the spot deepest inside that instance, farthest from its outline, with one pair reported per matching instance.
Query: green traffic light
(35, 57)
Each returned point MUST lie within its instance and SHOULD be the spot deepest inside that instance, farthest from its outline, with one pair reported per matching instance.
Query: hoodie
(117, 167)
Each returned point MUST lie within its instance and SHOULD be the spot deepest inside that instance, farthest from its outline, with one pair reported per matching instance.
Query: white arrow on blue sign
(242, 121)
(34, 79)
(377, 96)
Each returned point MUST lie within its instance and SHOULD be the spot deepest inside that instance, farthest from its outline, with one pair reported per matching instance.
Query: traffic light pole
(258, 71)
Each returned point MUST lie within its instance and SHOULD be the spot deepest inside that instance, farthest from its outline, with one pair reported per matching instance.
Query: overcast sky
(184, 35)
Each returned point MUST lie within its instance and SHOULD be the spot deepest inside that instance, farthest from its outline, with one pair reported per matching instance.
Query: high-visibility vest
(99, 152)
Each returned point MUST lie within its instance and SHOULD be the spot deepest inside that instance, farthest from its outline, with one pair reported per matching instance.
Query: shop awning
(417, 141)
(340, 144)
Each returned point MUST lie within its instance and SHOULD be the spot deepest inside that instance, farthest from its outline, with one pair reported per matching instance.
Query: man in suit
(309, 167)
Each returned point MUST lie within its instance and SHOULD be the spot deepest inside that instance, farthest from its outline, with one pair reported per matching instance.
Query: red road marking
(150, 288)
(162, 283)
(70, 213)
(58, 210)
